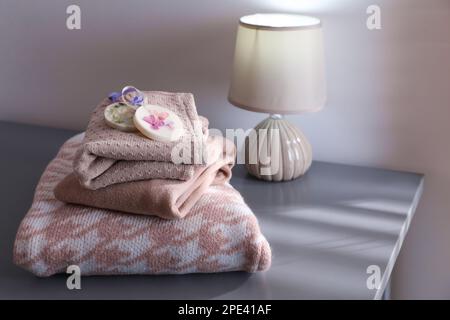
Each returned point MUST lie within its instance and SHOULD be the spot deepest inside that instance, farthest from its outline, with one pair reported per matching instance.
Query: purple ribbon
(115, 96)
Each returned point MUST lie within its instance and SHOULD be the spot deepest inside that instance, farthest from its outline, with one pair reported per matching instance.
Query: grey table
(325, 230)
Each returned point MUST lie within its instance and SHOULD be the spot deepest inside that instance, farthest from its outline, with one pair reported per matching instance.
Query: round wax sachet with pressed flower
(158, 123)
(120, 116)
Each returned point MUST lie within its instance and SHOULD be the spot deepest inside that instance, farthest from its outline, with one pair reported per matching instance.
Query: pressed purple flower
(154, 122)
(137, 100)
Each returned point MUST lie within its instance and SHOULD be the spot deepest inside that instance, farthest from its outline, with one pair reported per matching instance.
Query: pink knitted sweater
(219, 234)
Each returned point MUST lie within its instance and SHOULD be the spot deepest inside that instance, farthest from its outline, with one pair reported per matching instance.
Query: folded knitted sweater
(108, 156)
(219, 234)
(165, 198)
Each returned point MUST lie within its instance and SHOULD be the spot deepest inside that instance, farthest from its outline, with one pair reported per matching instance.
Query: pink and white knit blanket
(219, 234)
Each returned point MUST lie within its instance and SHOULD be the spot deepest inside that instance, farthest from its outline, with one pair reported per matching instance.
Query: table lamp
(278, 69)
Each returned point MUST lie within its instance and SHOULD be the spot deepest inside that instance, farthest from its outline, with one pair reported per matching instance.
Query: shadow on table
(192, 286)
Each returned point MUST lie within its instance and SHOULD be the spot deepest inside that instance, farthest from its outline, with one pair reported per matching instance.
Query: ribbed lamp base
(277, 151)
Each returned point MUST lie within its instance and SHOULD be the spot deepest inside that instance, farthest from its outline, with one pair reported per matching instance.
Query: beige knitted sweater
(165, 198)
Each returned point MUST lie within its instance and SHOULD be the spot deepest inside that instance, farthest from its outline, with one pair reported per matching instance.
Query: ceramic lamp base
(277, 150)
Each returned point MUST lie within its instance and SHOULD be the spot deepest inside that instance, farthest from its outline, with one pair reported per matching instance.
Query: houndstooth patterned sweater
(219, 234)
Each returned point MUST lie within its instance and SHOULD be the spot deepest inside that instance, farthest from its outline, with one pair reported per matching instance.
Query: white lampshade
(279, 64)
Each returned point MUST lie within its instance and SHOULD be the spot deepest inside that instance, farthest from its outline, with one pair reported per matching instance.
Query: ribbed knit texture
(219, 234)
(165, 198)
(108, 156)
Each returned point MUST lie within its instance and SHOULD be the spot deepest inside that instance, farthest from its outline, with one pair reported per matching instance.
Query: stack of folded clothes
(115, 202)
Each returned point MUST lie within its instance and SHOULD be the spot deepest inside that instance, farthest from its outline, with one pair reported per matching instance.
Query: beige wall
(389, 90)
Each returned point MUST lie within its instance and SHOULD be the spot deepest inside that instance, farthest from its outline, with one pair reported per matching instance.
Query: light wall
(389, 90)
